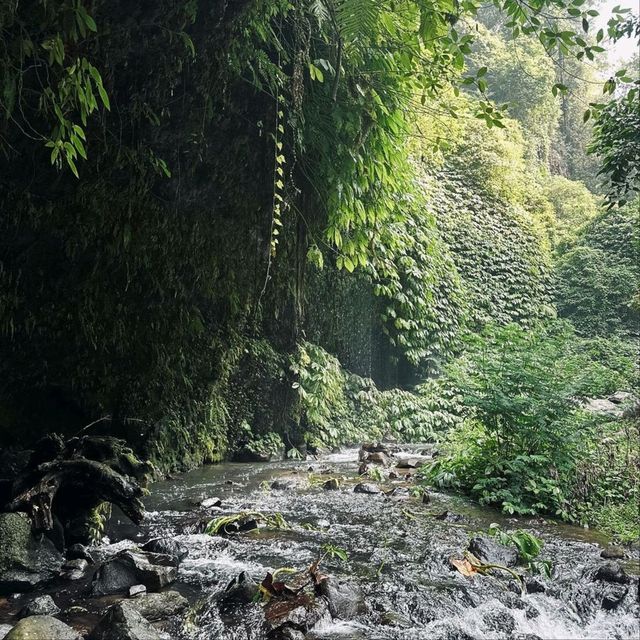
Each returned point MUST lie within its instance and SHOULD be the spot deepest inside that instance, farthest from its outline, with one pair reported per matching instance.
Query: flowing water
(398, 552)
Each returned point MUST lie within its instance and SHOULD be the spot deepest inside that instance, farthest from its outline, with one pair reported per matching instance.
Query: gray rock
(331, 485)
(611, 572)
(622, 397)
(613, 553)
(159, 606)
(602, 406)
(241, 590)
(123, 622)
(25, 561)
(534, 585)
(449, 516)
(208, 503)
(613, 596)
(128, 568)
(167, 546)
(137, 590)
(41, 628)
(76, 611)
(411, 463)
(40, 606)
(490, 552)
(4, 629)
(76, 565)
(346, 600)
(366, 487)
(378, 457)
(283, 485)
(79, 552)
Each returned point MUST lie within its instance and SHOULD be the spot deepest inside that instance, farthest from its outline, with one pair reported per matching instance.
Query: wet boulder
(128, 568)
(74, 569)
(209, 503)
(301, 612)
(345, 599)
(241, 590)
(4, 630)
(41, 627)
(283, 484)
(534, 585)
(79, 552)
(159, 606)
(366, 487)
(611, 572)
(331, 485)
(378, 457)
(137, 590)
(40, 606)
(613, 553)
(374, 447)
(25, 560)
(613, 596)
(490, 552)
(168, 547)
(123, 622)
(412, 462)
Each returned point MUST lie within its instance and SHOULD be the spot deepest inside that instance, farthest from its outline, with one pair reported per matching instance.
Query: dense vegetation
(261, 227)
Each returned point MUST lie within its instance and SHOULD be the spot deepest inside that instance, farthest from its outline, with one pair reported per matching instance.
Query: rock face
(167, 546)
(159, 606)
(41, 628)
(24, 561)
(490, 552)
(128, 568)
(123, 622)
(40, 606)
(611, 572)
(366, 487)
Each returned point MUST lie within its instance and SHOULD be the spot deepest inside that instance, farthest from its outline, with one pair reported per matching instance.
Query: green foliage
(416, 276)
(524, 438)
(505, 271)
(598, 275)
(528, 545)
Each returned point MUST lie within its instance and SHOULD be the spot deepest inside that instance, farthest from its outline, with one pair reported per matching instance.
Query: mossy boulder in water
(41, 628)
(24, 560)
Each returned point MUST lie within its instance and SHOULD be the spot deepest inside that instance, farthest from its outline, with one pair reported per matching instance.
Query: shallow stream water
(398, 553)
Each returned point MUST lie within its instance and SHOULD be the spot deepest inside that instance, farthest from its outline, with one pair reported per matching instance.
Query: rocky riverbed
(385, 569)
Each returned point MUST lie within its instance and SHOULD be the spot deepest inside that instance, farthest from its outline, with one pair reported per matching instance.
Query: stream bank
(398, 561)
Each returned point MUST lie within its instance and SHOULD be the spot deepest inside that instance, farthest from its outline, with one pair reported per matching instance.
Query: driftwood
(68, 480)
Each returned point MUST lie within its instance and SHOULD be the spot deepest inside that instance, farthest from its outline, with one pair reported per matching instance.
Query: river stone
(378, 457)
(490, 552)
(41, 628)
(449, 516)
(534, 585)
(24, 561)
(366, 487)
(40, 606)
(346, 600)
(410, 463)
(241, 590)
(331, 485)
(159, 606)
(613, 553)
(167, 546)
(613, 596)
(123, 622)
(137, 590)
(611, 572)
(210, 503)
(75, 569)
(4, 629)
(78, 551)
(153, 570)
(283, 485)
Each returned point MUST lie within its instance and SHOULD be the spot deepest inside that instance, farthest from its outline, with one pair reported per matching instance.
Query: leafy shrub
(524, 441)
